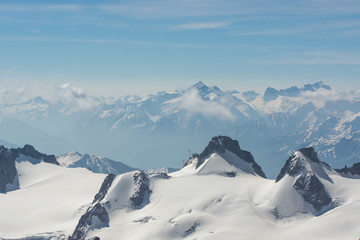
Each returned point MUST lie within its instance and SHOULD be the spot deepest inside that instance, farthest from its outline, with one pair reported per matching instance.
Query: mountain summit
(224, 153)
(303, 179)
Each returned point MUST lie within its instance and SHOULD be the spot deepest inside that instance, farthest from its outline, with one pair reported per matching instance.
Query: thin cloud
(9, 70)
(41, 7)
(200, 26)
(127, 42)
(316, 57)
(189, 8)
(75, 98)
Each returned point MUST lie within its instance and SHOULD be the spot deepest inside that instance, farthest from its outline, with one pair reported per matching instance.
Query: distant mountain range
(94, 163)
(152, 132)
(221, 193)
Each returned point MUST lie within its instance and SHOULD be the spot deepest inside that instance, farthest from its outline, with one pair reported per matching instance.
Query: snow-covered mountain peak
(221, 151)
(303, 162)
(305, 178)
(69, 158)
(206, 91)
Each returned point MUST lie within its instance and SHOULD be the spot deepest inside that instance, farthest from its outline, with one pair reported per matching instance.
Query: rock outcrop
(353, 170)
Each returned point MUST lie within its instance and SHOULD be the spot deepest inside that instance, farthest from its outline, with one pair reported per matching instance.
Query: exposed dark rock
(310, 153)
(354, 170)
(8, 172)
(86, 221)
(142, 189)
(191, 230)
(293, 166)
(94, 238)
(220, 144)
(97, 210)
(312, 191)
(104, 188)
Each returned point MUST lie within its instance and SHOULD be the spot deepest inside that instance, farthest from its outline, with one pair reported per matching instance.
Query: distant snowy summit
(223, 155)
(272, 93)
(94, 163)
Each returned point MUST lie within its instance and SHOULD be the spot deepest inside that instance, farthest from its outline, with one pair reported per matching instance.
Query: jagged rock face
(8, 172)
(86, 221)
(310, 153)
(312, 191)
(97, 210)
(220, 144)
(141, 182)
(104, 188)
(354, 170)
(293, 166)
(30, 151)
(307, 184)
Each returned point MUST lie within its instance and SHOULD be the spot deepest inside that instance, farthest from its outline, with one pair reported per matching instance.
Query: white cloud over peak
(192, 103)
(75, 98)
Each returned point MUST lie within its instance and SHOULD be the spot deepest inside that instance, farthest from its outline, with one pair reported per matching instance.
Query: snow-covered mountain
(223, 156)
(271, 125)
(230, 199)
(94, 163)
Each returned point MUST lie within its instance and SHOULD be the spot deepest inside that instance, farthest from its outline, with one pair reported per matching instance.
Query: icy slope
(50, 200)
(217, 207)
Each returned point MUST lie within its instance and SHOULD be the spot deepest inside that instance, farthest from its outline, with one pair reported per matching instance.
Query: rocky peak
(310, 153)
(30, 151)
(8, 172)
(221, 144)
(306, 169)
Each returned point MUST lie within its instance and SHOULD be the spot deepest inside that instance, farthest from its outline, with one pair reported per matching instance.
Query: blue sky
(119, 47)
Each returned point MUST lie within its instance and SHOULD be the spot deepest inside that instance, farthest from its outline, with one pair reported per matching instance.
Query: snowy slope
(218, 207)
(49, 202)
(201, 202)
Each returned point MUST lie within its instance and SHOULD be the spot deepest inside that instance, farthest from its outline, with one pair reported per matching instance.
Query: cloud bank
(193, 104)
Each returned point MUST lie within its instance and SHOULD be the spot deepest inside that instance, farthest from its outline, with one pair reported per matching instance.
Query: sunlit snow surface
(193, 203)
(51, 199)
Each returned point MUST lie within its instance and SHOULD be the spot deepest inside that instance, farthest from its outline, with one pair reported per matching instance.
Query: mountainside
(94, 163)
(271, 125)
(307, 200)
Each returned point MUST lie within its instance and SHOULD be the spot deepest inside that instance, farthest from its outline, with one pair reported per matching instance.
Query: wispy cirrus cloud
(41, 7)
(189, 8)
(9, 70)
(200, 26)
(316, 57)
